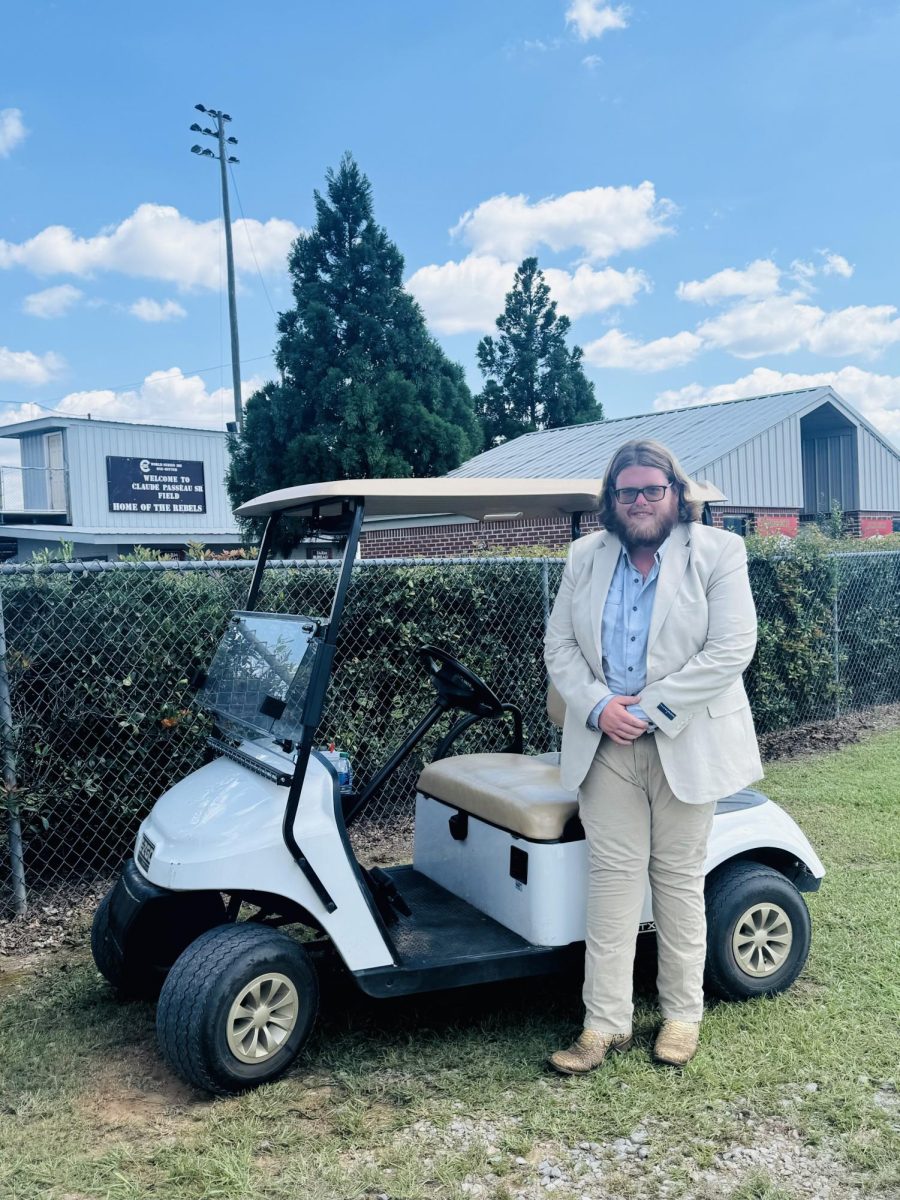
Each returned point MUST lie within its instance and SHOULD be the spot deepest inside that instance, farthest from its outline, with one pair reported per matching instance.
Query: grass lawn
(447, 1096)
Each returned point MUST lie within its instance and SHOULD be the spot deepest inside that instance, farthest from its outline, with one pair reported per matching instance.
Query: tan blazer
(702, 636)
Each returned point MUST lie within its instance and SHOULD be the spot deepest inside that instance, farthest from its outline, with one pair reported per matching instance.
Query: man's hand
(619, 724)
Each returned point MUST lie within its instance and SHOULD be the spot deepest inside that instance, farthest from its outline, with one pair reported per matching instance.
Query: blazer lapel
(671, 572)
(602, 570)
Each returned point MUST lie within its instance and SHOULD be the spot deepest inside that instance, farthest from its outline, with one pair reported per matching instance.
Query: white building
(108, 486)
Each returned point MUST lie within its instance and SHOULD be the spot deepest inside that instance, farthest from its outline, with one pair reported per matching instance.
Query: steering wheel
(457, 686)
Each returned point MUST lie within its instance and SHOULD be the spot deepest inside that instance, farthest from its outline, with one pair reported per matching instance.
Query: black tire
(207, 981)
(733, 891)
(107, 962)
(155, 939)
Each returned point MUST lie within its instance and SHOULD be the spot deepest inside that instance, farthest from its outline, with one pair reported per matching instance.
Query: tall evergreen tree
(365, 391)
(532, 379)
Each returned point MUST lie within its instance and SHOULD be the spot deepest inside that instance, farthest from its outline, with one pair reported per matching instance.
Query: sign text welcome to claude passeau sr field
(155, 485)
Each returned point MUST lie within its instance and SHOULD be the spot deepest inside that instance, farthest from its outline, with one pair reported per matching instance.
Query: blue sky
(711, 188)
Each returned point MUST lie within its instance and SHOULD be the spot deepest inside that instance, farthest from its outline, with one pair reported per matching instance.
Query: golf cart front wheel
(237, 1008)
(757, 931)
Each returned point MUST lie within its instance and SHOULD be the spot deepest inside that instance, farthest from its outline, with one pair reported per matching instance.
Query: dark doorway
(830, 475)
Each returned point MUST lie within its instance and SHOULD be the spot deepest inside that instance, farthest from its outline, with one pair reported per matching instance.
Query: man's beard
(650, 532)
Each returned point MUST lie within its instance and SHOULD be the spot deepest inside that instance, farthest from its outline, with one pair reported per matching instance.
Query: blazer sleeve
(569, 670)
(729, 646)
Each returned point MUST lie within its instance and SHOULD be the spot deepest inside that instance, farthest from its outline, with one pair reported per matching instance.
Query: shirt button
(631, 668)
(632, 639)
(634, 608)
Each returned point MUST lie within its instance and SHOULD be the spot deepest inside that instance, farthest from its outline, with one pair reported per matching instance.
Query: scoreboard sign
(155, 485)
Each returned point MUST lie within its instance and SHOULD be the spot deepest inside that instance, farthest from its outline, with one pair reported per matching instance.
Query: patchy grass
(446, 1096)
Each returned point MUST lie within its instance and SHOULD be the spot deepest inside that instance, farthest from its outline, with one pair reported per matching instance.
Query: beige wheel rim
(762, 939)
(262, 1017)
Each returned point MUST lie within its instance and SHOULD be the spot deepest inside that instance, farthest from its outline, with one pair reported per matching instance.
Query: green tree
(532, 379)
(365, 391)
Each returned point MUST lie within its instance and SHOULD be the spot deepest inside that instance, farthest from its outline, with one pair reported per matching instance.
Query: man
(652, 627)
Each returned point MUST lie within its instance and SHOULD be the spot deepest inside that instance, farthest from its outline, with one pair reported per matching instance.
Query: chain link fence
(97, 718)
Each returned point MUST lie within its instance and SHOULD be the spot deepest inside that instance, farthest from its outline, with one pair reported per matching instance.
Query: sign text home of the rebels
(155, 485)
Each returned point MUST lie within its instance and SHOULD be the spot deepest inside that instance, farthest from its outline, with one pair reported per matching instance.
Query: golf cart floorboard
(448, 943)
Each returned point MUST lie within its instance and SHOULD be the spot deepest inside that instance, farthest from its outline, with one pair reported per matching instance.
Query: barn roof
(698, 436)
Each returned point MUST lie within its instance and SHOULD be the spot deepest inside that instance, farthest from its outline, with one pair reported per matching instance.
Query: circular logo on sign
(144, 465)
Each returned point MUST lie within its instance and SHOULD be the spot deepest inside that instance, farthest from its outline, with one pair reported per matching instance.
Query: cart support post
(315, 702)
(16, 859)
(264, 547)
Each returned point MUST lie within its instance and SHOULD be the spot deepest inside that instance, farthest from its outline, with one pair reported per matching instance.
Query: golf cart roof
(483, 499)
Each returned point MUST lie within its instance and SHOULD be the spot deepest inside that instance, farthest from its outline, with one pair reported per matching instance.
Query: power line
(250, 242)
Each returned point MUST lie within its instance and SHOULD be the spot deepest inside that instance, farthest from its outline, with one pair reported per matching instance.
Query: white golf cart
(497, 886)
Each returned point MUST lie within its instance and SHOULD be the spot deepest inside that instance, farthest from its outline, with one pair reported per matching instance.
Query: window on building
(738, 523)
(896, 524)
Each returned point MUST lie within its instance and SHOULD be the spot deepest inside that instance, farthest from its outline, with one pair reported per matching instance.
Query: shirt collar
(658, 556)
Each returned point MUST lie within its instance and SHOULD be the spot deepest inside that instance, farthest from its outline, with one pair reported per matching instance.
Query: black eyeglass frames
(654, 493)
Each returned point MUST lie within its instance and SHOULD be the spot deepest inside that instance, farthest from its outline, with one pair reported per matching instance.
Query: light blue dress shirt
(625, 631)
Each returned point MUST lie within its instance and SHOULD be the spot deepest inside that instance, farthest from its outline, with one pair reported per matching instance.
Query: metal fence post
(16, 859)
(545, 592)
(836, 647)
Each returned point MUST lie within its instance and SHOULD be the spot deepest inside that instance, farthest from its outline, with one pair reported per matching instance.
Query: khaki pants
(634, 824)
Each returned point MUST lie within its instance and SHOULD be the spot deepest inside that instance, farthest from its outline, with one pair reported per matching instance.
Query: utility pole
(224, 158)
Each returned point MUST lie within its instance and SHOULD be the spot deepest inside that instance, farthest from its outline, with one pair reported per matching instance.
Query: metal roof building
(107, 486)
(779, 459)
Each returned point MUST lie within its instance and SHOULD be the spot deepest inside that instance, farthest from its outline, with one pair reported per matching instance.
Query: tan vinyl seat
(518, 792)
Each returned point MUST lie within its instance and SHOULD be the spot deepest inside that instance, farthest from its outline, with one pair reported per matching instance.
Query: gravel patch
(643, 1164)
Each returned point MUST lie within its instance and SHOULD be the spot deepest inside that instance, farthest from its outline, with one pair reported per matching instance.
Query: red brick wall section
(787, 523)
(458, 541)
(871, 525)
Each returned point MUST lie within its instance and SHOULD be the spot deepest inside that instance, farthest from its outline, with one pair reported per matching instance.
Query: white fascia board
(67, 533)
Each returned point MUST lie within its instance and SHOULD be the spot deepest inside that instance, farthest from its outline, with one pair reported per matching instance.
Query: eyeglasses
(654, 493)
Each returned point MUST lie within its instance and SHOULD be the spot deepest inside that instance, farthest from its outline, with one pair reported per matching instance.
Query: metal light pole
(219, 134)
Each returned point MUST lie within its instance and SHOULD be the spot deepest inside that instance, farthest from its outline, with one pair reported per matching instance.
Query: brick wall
(456, 541)
(872, 524)
(761, 520)
(773, 522)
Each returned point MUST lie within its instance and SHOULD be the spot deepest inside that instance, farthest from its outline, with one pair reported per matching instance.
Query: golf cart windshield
(260, 674)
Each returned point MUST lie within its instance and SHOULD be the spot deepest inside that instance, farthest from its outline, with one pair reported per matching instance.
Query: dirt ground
(60, 916)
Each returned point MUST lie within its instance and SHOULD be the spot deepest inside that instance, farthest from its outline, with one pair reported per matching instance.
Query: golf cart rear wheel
(237, 1008)
(757, 931)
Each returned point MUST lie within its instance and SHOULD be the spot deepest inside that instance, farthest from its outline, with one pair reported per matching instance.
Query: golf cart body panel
(539, 888)
(221, 828)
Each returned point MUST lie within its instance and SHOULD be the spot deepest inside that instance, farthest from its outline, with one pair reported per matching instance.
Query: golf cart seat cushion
(518, 792)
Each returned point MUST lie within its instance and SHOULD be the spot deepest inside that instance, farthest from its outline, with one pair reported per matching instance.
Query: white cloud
(593, 18)
(12, 130)
(52, 302)
(777, 325)
(599, 221)
(836, 264)
(760, 278)
(782, 324)
(162, 394)
(861, 329)
(617, 349)
(155, 242)
(468, 296)
(591, 61)
(23, 366)
(877, 397)
(152, 310)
